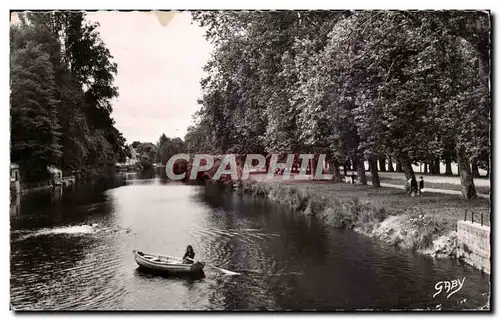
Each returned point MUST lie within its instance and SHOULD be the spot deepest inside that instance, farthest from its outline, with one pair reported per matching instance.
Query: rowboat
(168, 264)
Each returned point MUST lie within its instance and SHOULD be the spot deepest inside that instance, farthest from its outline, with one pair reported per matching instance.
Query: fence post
(472, 214)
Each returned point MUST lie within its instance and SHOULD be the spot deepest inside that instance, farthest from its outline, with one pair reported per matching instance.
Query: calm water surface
(286, 260)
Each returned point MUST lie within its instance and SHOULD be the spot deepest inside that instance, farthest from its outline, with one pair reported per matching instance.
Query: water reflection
(286, 260)
(56, 194)
(189, 278)
(15, 204)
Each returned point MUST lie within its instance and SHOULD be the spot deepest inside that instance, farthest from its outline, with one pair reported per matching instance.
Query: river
(286, 260)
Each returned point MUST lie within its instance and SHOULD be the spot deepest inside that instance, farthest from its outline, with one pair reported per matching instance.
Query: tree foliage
(168, 147)
(62, 90)
(412, 85)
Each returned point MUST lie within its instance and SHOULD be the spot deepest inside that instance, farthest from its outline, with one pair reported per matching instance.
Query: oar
(220, 269)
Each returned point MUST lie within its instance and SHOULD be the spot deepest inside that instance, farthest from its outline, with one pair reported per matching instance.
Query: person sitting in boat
(189, 255)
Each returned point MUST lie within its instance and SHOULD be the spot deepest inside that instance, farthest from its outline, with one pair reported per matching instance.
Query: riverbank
(424, 224)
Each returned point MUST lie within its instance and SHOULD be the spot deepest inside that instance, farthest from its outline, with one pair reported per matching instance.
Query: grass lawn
(395, 201)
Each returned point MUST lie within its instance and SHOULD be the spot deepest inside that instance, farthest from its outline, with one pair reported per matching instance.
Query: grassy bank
(426, 224)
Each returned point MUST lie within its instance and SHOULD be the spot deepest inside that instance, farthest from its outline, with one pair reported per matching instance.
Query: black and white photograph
(250, 160)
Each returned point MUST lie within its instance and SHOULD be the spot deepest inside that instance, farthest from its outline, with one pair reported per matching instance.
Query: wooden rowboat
(168, 264)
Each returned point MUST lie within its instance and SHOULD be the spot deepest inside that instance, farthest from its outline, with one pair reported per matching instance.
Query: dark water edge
(286, 260)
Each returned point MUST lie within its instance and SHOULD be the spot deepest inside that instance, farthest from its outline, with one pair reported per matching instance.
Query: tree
(135, 144)
(169, 147)
(82, 75)
(198, 138)
(410, 86)
(163, 139)
(35, 130)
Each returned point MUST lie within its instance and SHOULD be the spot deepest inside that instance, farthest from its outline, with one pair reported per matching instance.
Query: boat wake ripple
(68, 230)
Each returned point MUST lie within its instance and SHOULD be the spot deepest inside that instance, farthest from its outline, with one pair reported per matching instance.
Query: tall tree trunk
(407, 167)
(373, 169)
(369, 166)
(448, 171)
(335, 172)
(347, 165)
(390, 166)
(426, 168)
(475, 169)
(468, 188)
(345, 169)
(432, 167)
(435, 167)
(381, 162)
(360, 166)
(354, 164)
(314, 165)
(399, 168)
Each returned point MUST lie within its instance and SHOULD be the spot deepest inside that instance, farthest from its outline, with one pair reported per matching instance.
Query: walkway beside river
(445, 204)
(428, 190)
(444, 184)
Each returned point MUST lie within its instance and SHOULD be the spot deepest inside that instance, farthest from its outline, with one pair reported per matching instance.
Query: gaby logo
(450, 287)
(228, 165)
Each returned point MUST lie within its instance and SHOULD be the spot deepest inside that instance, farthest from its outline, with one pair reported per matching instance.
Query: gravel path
(480, 182)
(435, 179)
(430, 190)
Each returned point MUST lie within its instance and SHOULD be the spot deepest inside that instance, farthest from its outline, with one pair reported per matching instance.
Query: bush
(146, 164)
(422, 230)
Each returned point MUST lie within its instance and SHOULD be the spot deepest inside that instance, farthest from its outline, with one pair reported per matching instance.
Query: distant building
(133, 153)
(15, 179)
(133, 157)
(14, 172)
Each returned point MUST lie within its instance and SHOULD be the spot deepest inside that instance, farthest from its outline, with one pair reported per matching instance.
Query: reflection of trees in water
(146, 174)
(69, 206)
(300, 245)
(35, 211)
(218, 196)
(302, 242)
(56, 194)
(239, 292)
(15, 204)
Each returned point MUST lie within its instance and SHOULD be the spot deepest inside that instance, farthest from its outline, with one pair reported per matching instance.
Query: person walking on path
(421, 186)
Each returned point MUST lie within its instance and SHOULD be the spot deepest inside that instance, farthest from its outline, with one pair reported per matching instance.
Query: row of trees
(358, 85)
(168, 147)
(150, 153)
(61, 91)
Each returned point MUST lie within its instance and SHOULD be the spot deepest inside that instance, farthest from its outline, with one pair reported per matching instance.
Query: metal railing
(471, 214)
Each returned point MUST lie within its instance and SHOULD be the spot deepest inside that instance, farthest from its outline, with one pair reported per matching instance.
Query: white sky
(159, 69)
